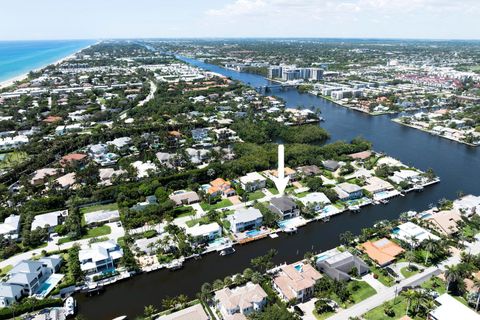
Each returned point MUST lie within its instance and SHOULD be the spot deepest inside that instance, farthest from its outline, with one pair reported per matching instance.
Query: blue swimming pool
(395, 230)
(322, 257)
(298, 267)
(253, 233)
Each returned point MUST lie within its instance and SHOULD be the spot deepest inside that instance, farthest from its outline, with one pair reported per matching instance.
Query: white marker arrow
(281, 181)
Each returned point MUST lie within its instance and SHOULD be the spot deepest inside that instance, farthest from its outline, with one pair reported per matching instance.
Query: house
(149, 200)
(195, 312)
(101, 217)
(245, 219)
(144, 168)
(285, 207)
(308, 171)
(100, 256)
(339, 265)
(10, 227)
(317, 200)
(197, 156)
(106, 175)
(205, 232)
(9, 294)
(165, 158)
(120, 144)
(200, 134)
(67, 180)
(450, 308)
(253, 181)
(41, 176)
(29, 275)
(363, 155)
(412, 233)
(445, 222)
(240, 301)
(49, 220)
(376, 185)
(348, 191)
(73, 159)
(182, 197)
(331, 165)
(288, 172)
(220, 187)
(468, 205)
(409, 176)
(296, 281)
(382, 251)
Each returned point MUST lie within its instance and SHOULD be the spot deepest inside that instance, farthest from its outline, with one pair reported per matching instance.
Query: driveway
(307, 308)
(374, 283)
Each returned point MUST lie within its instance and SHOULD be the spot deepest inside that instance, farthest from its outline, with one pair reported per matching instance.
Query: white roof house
(194, 312)
(468, 204)
(99, 256)
(120, 143)
(10, 225)
(411, 233)
(404, 175)
(51, 219)
(253, 179)
(101, 216)
(315, 198)
(241, 300)
(450, 308)
(205, 231)
(245, 218)
(143, 168)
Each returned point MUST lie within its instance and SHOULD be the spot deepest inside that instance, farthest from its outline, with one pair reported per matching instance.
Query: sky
(103, 19)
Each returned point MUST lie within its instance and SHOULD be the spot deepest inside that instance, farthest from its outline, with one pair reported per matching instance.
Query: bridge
(270, 87)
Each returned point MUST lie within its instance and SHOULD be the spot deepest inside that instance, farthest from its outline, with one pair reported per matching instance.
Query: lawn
(6, 269)
(191, 223)
(273, 191)
(182, 212)
(386, 280)
(91, 233)
(362, 292)
(221, 204)
(12, 159)
(400, 307)
(110, 206)
(408, 273)
(302, 194)
(255, 195)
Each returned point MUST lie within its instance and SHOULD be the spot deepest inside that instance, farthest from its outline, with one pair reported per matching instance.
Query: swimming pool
(322, 257)
(49, 284)
(298, 267)
(396, 231)
(253, 233)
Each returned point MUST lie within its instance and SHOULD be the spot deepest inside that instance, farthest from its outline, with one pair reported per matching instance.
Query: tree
(322, 306)
(206, 291)
(149, 311)
(430, 246)
(452, 275)
(74, 270)
(314, 183)
(265, 262)
(410, 257)
(346, 238)
(409, 295)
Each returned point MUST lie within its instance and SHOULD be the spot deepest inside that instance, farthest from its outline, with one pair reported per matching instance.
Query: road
(388, 293)
(153, 89)
(116, 233)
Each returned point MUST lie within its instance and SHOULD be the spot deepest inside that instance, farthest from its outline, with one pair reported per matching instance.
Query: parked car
(298, 310)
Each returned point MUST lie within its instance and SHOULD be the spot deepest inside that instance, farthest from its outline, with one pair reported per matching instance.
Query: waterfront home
(348, 191)
(363, 155)
(339, 265)
(182, 197)
(296, 281)
(28, 276)
(377, 185)
(241, 301)
(41, 176)
(220, 187)
(101, 217)
(100, 256)
(285, 207)
(382, 251)
(49, 220)
(10, 227)
(409, 176)
(308, 171)
(316, 200)
(205, 232)
(195, 312)
(73, 159)
(468, 205)
(253, 181)
(445, 222)
(245, 219)
(450, 308)
(331, 165)
(412, 233)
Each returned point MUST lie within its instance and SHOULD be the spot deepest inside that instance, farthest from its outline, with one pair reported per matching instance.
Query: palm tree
(346, 237)
(429, 246)
(409, 295)
(452, 274)
(409, 256)
(149, 311)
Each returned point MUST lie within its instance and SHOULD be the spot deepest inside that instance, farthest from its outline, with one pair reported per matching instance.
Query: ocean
(20, 57)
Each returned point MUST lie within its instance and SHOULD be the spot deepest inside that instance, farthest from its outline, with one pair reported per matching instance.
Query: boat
(290, 230)
(418, 188)
(384, 201)
(120, 318)
(226, 251)
(93, 289)
(70, 306)
(175, 265)
(326, 219)
(273, 235)
(197, 256)
(354, 208)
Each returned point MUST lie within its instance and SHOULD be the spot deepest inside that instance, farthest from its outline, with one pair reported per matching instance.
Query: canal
(457, 165)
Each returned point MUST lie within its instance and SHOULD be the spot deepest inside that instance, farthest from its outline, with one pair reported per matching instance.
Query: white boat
(69, 306)
(175, 264)
(290, 230)
(120, 318)
(384, 201)
(227, 251)
(418, 188)
(354, 208)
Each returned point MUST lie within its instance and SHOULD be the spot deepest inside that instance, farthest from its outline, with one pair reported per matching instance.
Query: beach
(13, 80)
